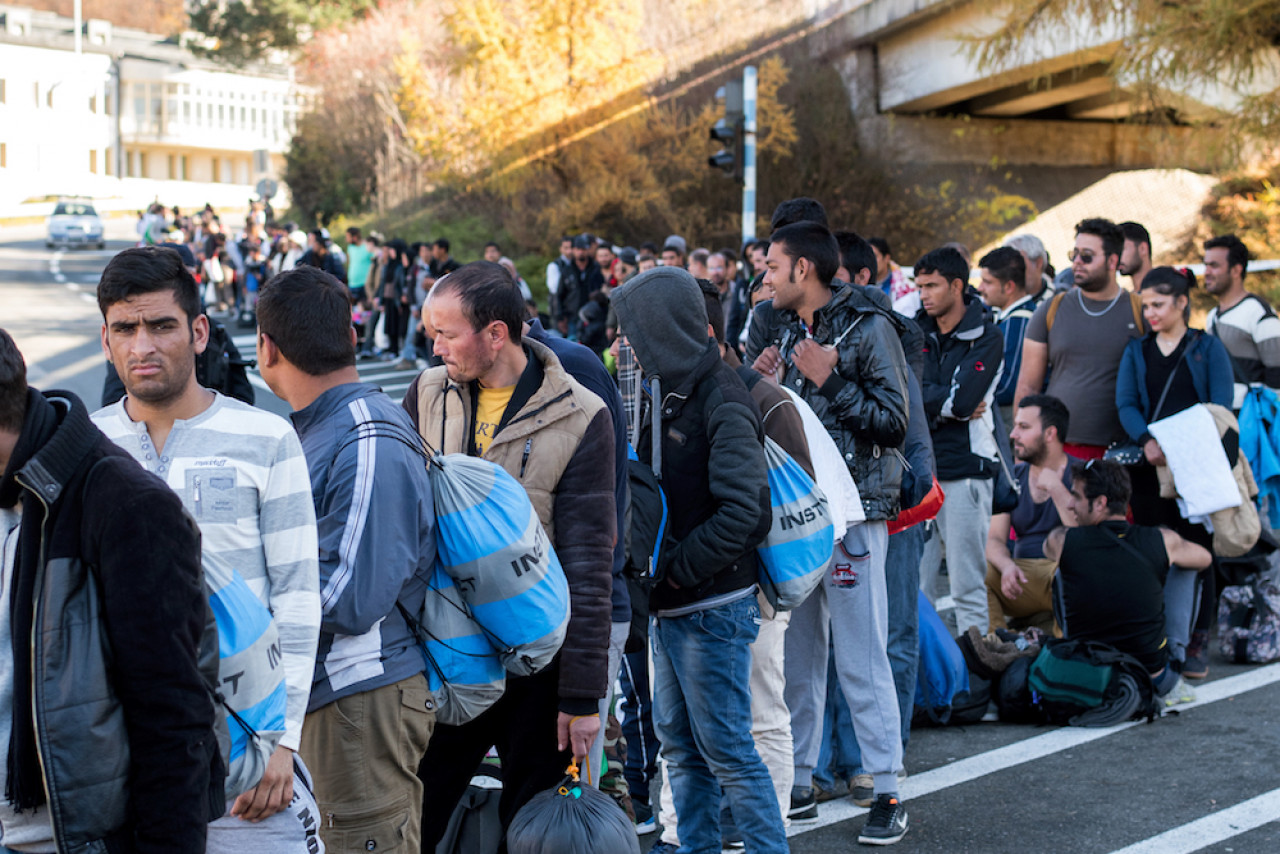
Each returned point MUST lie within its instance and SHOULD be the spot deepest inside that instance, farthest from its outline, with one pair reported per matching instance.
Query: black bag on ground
(1013, 695)
(968, 707)
(475, 826)
(572, 818)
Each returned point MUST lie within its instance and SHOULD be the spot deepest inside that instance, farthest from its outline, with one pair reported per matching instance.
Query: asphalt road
(1205, 779)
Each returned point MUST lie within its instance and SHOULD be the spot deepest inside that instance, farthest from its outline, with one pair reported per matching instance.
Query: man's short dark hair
(1104, 478)
(307, 313)
(945, 261)
(13, 385)
(650, 247)
(881, 245)
(700, 256)
(148, 270)
(443, 243)
(855, 254)
(1107, 231)
(1053, 412)
(1136, 232)
(715, 309)
(810, 240)
(486, 293)
(1006, 264)
(353, 233)
(494, 245)
(1237, 252)
(798, 210)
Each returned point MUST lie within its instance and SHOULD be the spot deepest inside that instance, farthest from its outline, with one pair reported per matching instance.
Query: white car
(74, 224)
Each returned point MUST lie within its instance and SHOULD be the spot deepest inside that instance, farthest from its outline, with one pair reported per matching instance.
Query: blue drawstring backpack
(251, 686)
(464, 671)
(798, 547)
(943, 672)
(490, 542)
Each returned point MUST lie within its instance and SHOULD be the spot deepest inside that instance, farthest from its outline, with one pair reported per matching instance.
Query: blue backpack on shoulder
(943, 673)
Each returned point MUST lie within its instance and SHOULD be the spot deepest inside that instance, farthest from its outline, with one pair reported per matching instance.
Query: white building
(129, 110)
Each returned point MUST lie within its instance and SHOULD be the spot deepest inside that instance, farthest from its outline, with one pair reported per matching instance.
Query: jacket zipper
(196, 497)
(524, 460)
(55, 814)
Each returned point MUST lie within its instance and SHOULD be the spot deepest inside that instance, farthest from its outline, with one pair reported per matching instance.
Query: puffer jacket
(864, 403)
(124, 720)
(557, 440)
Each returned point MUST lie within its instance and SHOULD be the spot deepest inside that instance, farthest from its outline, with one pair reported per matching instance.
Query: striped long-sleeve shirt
(241, 474)
(1250, 331)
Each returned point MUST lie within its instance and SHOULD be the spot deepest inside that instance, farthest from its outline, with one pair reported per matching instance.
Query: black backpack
(1066, 689)
(648, 527)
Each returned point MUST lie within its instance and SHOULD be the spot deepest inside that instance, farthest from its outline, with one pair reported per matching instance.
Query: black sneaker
(887, 822)
(804, 806)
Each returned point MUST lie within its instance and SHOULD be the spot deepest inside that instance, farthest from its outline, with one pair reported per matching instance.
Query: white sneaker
(1180, 693)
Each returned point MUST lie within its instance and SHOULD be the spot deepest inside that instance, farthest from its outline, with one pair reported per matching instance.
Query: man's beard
(1095, 283)
(1033, 454)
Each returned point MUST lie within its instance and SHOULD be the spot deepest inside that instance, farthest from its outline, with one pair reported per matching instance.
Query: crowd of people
(900, 395)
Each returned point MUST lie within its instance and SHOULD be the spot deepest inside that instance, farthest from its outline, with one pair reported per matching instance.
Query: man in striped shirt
(1244, 322)
(242, 475)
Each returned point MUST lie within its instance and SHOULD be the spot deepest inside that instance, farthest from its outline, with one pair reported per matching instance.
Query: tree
(242, 31)
(1167, 48)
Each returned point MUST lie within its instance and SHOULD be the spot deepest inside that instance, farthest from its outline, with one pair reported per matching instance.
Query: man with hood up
(703, 603)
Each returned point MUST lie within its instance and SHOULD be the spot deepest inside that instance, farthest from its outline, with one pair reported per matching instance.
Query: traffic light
(730, 131)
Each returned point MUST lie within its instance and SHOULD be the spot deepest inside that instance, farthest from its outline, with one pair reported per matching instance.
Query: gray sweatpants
(293, 830)
(962, 530)
(851, 608)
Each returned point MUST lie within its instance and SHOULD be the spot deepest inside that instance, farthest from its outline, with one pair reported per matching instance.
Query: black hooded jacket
(123, 722)
(712, 444)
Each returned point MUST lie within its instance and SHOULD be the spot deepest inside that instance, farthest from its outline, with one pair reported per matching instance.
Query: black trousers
(391, 324)
(522, 725)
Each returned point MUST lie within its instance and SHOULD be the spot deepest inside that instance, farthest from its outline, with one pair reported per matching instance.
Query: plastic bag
(490, 542)
(572, 818)
(799, 544)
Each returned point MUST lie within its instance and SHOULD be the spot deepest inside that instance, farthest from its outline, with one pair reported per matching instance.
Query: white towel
(1198, 463)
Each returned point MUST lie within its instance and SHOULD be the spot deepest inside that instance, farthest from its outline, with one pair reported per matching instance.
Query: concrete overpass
(919, 97)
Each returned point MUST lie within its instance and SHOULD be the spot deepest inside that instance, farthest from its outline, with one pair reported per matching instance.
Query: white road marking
(1031, 749)
(1212, 829)
(66, 372)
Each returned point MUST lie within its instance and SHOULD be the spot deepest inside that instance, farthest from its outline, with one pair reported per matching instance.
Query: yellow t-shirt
(493, 402)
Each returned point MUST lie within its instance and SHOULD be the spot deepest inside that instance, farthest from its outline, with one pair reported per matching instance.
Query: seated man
(1129, 586)
(1020, 585)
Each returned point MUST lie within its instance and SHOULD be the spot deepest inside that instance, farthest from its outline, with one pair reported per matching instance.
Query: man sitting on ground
(1020, 585)
(1130, 586)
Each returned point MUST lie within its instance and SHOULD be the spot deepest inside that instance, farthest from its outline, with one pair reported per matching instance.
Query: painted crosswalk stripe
(1212, 829)
(1031, 749)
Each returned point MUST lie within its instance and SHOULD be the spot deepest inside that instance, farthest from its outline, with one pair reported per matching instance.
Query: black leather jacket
(124, 722)
(864, 403)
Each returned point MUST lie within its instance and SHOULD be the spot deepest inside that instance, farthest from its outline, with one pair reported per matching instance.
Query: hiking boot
(887, 822)
(804, 806)
(822, 793)
(646, 822)
(862, 790)
(1180, 693)
(1196, 665)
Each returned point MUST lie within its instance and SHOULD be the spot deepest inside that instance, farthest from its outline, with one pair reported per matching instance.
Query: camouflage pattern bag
(1249, 622)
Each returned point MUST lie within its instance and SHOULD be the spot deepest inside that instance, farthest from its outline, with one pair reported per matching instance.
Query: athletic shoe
(862, 789)
(1180, 693)
(902, 774)
(646, 821)
(1197, 664)
(822, 794)
(887, 822)
(406, 365)
(804, 807)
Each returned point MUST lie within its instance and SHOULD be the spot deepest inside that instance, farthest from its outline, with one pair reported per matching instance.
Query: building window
(109, 104)
(128, 163)
(93, 103)
(2, 93)
(214, 173)
(93, 161)
(182, 168)
(173, 166)
(140, 105)
(110, 157)
(143, 171)
(35, 93)
(4, 156)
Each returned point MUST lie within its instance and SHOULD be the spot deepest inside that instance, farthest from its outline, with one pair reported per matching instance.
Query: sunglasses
(1084, 256)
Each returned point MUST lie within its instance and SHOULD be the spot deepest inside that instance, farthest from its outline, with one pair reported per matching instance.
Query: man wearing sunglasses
(1077, 338)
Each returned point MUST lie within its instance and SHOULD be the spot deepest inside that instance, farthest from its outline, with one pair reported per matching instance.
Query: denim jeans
(840, 754)
(702, 714)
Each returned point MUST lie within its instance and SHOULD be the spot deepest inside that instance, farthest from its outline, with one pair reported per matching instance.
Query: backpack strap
(1056, 302)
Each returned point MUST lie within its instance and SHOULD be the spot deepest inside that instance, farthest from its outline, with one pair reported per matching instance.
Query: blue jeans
(840, 753)
(702, 714)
